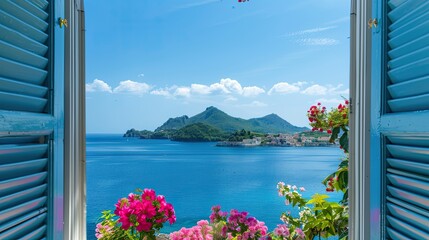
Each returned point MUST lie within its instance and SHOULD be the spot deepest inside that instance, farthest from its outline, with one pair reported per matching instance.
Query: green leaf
(318, 198)
(344, 141)
(334, 135)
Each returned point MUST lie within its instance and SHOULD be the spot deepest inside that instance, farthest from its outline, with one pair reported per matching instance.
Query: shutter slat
(406, 229)
(28, 226)
(24, 15)
(409, 184)
(21, 27)
(18, 184)
(409, 166)
(22, 209)
(15, 153)
(42, 4)
(19, 139)
(407, 174)
(409, 26)
(413, 45)
(411, 71)
(409, 197)
(22, 41)
(33, 9)
(407, 12)
(25, 123)
(35, 234)
(409, 88)
(396, 3)
(394, 235)
(409, 58)
(18, 71)
(410, 140)
(409, 153)
(22, 219)
(414, 103)
(19, 102)
(11, 86)
(18, 169)
(410, 217)
(23, 196)
(22, 56)
(408, 206)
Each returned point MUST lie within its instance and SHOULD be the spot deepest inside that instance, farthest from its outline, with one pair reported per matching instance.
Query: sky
(150, 60)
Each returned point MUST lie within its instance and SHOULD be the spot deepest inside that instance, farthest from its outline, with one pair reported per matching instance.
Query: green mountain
(216, 118)
(198, 132)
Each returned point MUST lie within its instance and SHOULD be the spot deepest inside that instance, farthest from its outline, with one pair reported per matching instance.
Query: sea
(194, 176)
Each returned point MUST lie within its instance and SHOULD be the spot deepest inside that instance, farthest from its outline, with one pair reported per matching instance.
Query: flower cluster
(316, 217)
(330, 183)
(203, 231)
(239, 226)
(102, 230)
(137, 216)
(291, 194)
(217, 215)
(145, 212)
(322, 120)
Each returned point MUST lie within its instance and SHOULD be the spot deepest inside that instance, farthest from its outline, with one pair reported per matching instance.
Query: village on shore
(281, 140)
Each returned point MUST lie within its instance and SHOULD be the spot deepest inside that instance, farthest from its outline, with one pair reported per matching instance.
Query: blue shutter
(29, 124)
(402, 123)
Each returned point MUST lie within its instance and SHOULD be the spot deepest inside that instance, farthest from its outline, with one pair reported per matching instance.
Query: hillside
(216, 118)
(198, 132)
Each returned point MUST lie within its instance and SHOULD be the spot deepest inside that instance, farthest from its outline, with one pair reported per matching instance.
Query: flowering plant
(334, 122)
(202, 231)
(317, 216)
(237, 226)
(139, 216)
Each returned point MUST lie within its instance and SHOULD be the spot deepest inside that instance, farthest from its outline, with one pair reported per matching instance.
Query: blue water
(196, 176)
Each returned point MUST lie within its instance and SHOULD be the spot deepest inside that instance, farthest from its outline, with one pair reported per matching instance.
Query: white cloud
(312, 30)
(284, 88)
(129, 86)
(182, 92)
(226, 86)
(140, 75)
(98, 86)
(200, 89)
(317, 41)
(252, 91)
(300, 84)
(315, 89)
(161, 92)
(337, 90)
(232, 85)
(217, 87)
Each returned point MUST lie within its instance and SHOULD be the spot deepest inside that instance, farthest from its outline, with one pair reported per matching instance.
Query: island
(214, 125)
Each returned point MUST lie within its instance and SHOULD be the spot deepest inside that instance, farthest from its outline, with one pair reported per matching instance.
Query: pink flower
(302, 189)
(282, 230)
(300, 233)
(149, 194)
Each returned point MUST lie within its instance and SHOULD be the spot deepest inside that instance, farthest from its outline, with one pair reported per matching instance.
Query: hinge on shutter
(372, 23)
(62, 22)
(350, 105)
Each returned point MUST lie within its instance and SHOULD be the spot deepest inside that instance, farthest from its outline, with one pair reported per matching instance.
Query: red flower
(329, 131)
